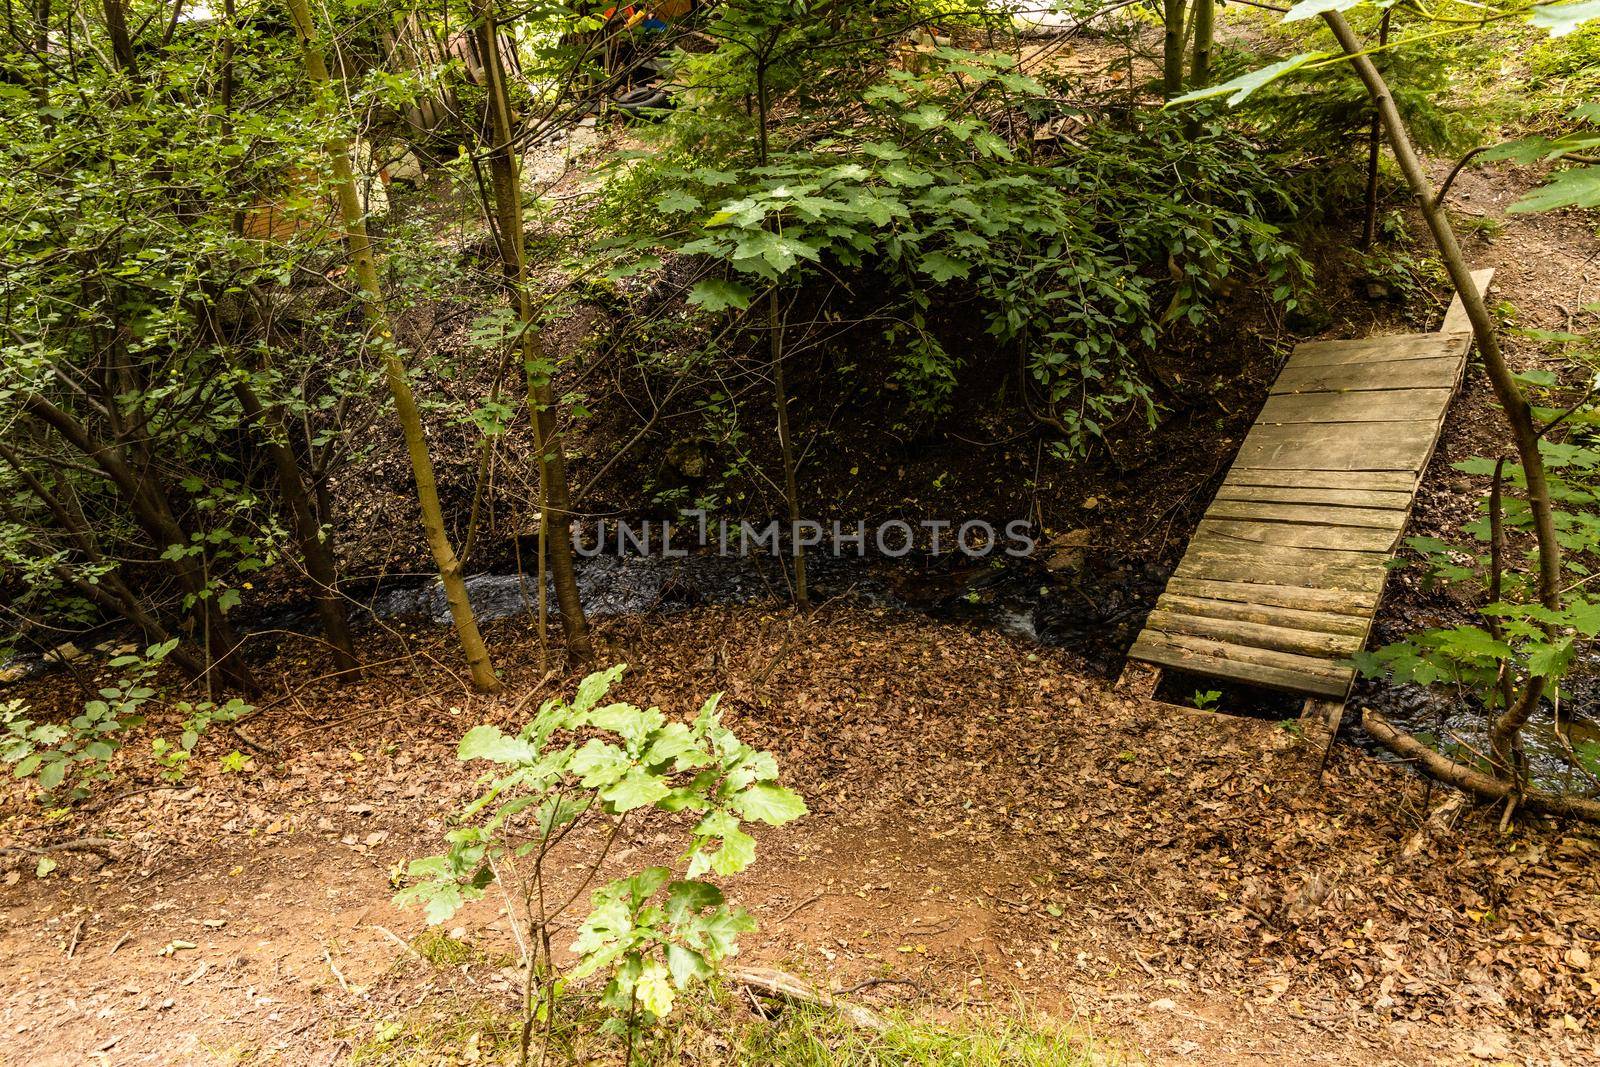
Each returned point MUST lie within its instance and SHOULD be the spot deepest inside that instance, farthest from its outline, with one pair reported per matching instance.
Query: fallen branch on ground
(101, 846)
(1439, 766)
(785, 987)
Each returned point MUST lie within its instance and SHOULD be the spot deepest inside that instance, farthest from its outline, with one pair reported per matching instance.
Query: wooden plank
(1257, 635)
(1391, 519)
(1225, 533)
(1351, 625)
(1244, 566)
(1387, 446)
(1440, 373)
(1381, 481)
(1392, 500)
(1353, 602)
(1455, 318)
(1275, 670)
(1370, 406)
(1377, 350)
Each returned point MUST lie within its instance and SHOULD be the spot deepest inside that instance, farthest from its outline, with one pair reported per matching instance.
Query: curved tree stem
(1513, 403)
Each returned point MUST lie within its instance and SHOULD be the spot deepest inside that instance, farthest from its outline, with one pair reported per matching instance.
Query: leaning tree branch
(1484, 786)
(1513, 402)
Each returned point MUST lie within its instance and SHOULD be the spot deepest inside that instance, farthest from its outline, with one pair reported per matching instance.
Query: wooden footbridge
(1281, 581)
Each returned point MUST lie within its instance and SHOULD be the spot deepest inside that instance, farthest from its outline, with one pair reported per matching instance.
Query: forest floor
(987, 823)
(990, 822)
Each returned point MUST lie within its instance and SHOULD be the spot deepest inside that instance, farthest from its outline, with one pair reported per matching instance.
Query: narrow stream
(1094, 610)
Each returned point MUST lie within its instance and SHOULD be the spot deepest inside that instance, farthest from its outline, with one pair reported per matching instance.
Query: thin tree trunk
(1465, 778)
(315, 552)
(1205, 18)
(366, 271)
(1504, 731)
(555, 495)
(1172, 12)
(780, 391)
(121, 42)
(791, 486)
(1369, 224)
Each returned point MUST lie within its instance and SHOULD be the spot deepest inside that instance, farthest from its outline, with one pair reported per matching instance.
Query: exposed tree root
(785, 987)
(1444, 769)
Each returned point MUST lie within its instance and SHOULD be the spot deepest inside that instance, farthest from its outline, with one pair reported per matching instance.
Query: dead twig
(806, 903)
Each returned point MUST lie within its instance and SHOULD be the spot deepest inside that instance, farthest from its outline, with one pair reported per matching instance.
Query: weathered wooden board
(1378, 349)
(1314, 495)
(1228, 532)
(1243, 562)
(1369, 406)
(1276, 670)
(1393, 519)
(1285, 477)
(1356, 603)
(1257, 635)
(1389, 446)
(1283, 575)
(1437, 373)
(1455, 317)
(1323, 621)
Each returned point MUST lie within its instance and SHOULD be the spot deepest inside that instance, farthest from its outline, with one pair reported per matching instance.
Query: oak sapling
(586, 768)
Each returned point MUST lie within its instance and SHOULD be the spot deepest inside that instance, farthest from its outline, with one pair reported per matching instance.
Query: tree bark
(121, 42)
(364, 266)
(555, 537)
(1172, 12)
(780, 390)
(1504, 730)
(1205, 18)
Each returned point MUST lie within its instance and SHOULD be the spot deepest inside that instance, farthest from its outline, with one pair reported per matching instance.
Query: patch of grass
(1011, 1039)
(442, 950)
(442, 1034)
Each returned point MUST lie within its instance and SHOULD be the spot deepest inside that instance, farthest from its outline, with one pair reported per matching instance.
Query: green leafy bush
(1077, 266)
(80, 750)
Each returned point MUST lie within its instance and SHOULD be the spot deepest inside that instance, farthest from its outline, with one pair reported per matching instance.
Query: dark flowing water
(1094, 610)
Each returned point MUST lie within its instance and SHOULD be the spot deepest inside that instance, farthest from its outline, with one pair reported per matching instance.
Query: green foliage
(1082, 264)
(1207, 698)
(1518, 637)
(582, 767)
(80, 750)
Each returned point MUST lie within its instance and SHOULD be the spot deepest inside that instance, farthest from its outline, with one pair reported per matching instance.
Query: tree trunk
(555, 495)
(1463, 777)
(315, 552)
(791, 488)
(780, 391)
(121, 42)
(381, 334)
(1205, 18)
(1503, 732)
(1172, 12)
